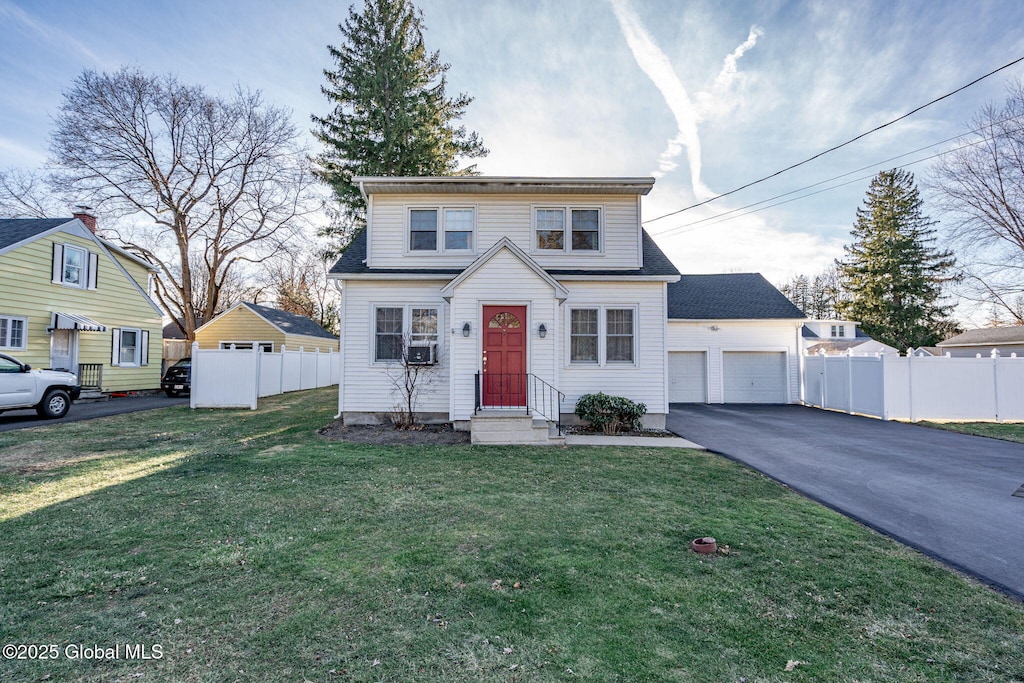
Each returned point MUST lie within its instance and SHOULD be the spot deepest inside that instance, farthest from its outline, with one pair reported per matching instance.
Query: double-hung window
(583, 225)
(129, 347)
(441, 229)
(602, 335)
(12, 333)
(394, 326)
(74, 266)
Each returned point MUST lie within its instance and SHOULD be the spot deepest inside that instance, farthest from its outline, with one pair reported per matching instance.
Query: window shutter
(94, 267)
(115, 347)
(58, 263)
(144, 356)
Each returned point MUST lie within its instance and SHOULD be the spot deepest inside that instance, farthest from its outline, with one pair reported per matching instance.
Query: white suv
(50, 392)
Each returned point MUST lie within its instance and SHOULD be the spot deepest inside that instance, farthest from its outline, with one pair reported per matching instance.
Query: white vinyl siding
(642, 380)
(368, 386)
(12, 333)
(718, 337)
(497, 216)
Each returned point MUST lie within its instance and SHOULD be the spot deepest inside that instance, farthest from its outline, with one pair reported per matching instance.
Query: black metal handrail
(519, 390)
(90, 375)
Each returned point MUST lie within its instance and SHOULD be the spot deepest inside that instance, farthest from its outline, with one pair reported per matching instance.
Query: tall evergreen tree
(391, 113)
(893, 274)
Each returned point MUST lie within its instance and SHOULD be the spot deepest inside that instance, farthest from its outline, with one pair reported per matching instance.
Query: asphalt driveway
(19, 419)
(948, 495)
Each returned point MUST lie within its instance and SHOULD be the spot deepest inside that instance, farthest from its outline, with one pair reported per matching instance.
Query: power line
(674, 229)
(839, 146)
(722, 217)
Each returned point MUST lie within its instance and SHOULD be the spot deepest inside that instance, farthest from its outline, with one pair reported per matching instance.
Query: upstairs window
(12, 333)
(441, 229)
(74, 266)
(584, 226)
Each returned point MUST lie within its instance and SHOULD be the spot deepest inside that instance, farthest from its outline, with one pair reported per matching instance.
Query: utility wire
(675, 229)
(680, 229)
(839, 146)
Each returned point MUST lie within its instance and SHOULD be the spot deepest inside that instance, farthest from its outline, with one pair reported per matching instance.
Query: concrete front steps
(507, 427)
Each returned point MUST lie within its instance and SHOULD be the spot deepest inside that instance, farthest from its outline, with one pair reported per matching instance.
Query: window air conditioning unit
(422, 354)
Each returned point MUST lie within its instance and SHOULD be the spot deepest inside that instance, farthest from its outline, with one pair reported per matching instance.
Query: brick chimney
(84, 214)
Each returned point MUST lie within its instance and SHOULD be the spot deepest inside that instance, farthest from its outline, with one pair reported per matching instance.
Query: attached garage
(687, 377)
(754, 377)
(732, 338)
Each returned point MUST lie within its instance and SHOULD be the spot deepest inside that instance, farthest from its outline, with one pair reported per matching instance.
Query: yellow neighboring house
(70, 300)
(245, 325)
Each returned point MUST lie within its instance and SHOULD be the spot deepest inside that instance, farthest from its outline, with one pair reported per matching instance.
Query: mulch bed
(387, 435)
(587, 431)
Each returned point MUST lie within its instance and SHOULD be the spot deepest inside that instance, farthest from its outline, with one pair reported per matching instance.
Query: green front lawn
(249, 549)
(1008, 431)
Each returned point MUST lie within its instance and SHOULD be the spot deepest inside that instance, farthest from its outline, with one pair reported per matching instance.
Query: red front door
(504, 361)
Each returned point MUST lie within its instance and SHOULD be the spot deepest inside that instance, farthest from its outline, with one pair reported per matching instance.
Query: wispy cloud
(47, 33)
(653, 62)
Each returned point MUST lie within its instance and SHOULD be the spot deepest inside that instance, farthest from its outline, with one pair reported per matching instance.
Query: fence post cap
(995, 353)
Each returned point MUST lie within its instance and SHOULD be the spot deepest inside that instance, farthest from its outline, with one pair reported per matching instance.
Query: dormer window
(441, 229)
(583, 225)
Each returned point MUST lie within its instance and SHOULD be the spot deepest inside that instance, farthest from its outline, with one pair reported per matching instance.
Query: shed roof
(289, 323)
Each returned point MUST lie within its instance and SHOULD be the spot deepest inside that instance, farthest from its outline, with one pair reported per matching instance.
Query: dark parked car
(178, 378)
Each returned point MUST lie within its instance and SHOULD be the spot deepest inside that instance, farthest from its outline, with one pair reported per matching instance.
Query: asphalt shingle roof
(988, 335)
(353, 262)
(292, 323)
(14, 230)
(731, 296)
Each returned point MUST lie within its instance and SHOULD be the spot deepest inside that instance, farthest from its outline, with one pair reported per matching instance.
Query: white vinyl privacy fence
(917, 388)
(237, 378)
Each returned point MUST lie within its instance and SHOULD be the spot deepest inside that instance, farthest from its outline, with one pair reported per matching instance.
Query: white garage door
(687, 377)
(754, 377)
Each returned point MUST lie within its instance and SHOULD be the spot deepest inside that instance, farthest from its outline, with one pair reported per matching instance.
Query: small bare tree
(217, 182)
(410, 381)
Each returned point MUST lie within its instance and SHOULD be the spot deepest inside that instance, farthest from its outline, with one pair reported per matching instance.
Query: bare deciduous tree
(298, 283)
(26, 194)
(410, 381)
(981, 187)
(204, 184)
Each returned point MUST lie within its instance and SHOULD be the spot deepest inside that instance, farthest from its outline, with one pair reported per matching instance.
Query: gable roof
(15, 230)
(505, 244)
(731, 296)
(987, 336)
(289, 323)
(353, 262)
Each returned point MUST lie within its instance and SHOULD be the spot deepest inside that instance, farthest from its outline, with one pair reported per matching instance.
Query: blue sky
(591, 87)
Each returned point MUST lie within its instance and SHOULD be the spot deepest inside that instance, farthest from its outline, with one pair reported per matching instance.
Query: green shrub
(610, 414)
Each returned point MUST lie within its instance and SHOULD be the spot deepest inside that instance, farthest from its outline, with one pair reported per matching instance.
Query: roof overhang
(73, 321)
(502, 185)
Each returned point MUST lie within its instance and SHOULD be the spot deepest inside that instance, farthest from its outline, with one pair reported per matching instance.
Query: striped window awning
(72, 321)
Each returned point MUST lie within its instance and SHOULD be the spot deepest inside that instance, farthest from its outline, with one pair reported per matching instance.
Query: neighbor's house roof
(730, 296)
(353, 262)
(988, 336)
(289, 323)
(501, 185)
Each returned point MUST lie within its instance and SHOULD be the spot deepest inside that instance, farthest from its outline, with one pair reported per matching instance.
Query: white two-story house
(520, 294)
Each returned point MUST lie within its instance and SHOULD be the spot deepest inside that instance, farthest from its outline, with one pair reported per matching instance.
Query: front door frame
(527, 326)
(72, 348)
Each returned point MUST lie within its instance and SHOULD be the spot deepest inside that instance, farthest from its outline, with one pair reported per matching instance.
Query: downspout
(341, 354)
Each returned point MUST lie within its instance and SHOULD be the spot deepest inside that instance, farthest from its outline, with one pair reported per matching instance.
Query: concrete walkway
(644, 441)
(949, 495)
